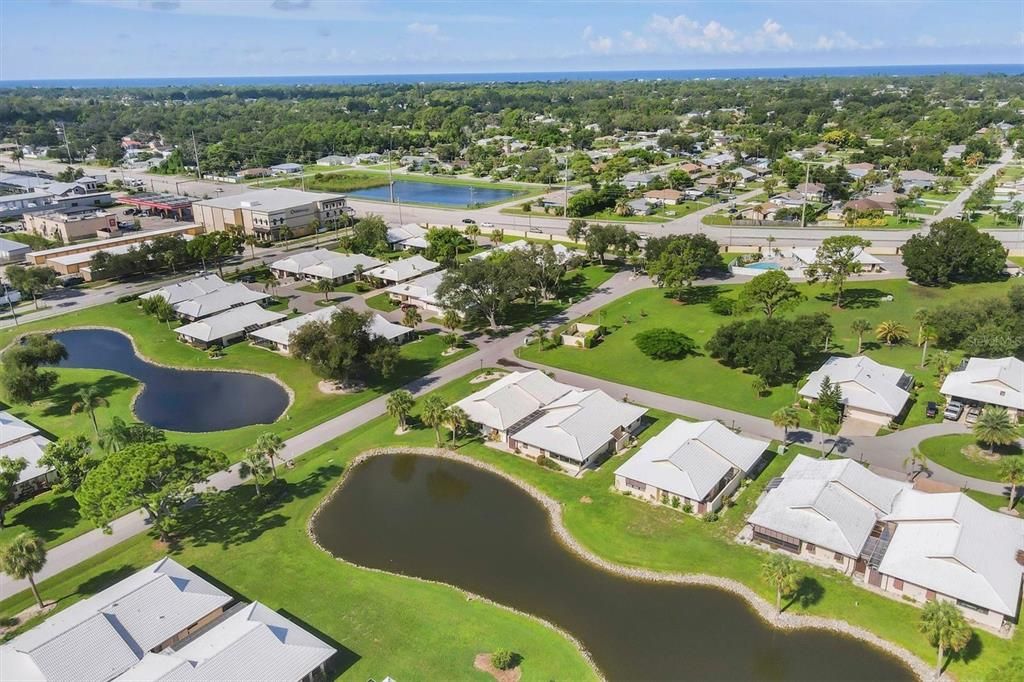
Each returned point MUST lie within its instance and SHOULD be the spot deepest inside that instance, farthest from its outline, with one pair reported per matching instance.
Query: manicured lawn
(989, 220)
(408, 629)
(947, 451)
(347, 287)
(578, 284)
(705, 379)
(382, 302)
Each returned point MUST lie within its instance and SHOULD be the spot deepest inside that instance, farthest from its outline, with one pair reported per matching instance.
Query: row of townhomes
(165, 623)
(895, 539)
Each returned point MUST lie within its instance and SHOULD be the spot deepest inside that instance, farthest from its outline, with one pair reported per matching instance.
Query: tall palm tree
(787, 417)
(270, 445)
(18, 155)
(286, 234)
(497, 236)
(256, 465)
(781, 573)
(22, 558)
(927, 335)
(891, 332)
(250, 241)
(400, 404)
(946, 629)
(435, 415)
(860, 326)
(915, 463)
(1011, 472)
(995, 427)
(164, 311)
(411, 317)
(87, 399)
(357, 272)
(921, 316)
(270, 284)
(826, 421)
(451, 319)
(473, 232)
(457, 420)
(325, 287)
(115, 436)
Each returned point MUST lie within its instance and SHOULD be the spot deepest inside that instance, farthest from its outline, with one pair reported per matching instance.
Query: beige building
(72, 225)
(265, 213)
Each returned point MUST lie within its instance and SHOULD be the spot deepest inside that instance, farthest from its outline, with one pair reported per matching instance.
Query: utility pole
(807, 180)
(391, 178)
(195, 150)
(63, 132)
(565, 175)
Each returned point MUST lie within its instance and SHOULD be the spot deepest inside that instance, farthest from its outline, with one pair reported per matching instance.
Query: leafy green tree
(22, 558)
(444, 245)
(782, 574)
(788, 418)
(835, 261)
(776, 350)
(369, 235)
(953, 251)
(10, 472)
(33, 280)
(71, 457)
(399, 406)
(663, 343)
(830, 396)
(995, 427)
(770, 293)
(600, 239)
(434, 415)
(483, 289)
(270, 446)
(341, 348)
(158, 477)
(22, 379)
(859, 327)
(946, 629)
(577, 230)
(119, 434)
(682, 259)
(87, 399)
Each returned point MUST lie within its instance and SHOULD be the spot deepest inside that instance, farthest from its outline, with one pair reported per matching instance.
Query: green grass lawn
(702, 378)
(348, 287)
(948, 451)
(416, 630)
(989, 221)
(382, 302)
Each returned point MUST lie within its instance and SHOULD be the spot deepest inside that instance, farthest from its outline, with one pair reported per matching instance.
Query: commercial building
(870, 391)
(165, 205)
(984, 381)
(41, 201)
(227, 327)
(71, 225)
(695, 465)
(265, 213)
(12, 251)
(165, 623)
(21, 440)
(913, 545)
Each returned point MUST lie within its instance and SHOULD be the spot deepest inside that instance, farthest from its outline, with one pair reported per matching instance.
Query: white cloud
(772, 35)
(687, 34)
(841, 40)
(431, 31)
(926, 41)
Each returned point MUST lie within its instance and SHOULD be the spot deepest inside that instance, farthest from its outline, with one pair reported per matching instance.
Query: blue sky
(167, 38)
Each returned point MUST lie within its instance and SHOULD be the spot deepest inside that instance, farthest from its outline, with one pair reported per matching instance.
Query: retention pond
(415, 192)
(451, 522)
(178, 399)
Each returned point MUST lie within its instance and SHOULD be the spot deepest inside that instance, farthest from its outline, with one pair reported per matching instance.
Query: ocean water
(523, 77)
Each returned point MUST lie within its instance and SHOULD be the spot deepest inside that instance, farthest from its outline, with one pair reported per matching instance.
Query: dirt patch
(31, 612)
(978, 454)
(333, 388)
(586, 499)
(450, 351)
(483, 662)
(486, 376)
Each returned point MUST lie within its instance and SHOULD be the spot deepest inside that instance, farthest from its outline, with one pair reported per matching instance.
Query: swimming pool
(763, 265)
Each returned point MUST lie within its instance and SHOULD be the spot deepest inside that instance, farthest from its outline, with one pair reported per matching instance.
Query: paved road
(956, 206)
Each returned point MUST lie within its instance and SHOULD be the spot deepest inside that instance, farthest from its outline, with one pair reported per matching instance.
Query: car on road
(972, 414)
(931, 410)
(953, 410)
(536, 229)
(486, 224)
(469, 221)
(71, 280)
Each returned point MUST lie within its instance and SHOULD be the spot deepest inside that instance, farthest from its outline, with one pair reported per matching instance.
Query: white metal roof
(402, 234)
(384, 328)
(422, 288)
(282, 331)
(219, 300)
(20, 440)
(689, 458)
(579, 423)
(809, 255)
(562, 253)
(11, 246)
(340, 265)
(269, 200)
(829, 503)
(403, 269)
(511, 398)
(229, 323)
(865, 384)
(185, 291)
(13, 429)
(102, 636)
(297, 261)
(997, 381)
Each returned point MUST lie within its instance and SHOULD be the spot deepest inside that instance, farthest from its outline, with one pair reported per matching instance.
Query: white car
(486, 224)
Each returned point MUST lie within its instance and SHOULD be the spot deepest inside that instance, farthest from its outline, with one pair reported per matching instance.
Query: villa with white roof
(871, 391)
(188, 290)
(420, 292)
(278, 336)
(340, 267)
(562, 253)
(293, 265)
(21, 440)
(218, 301)
(164, 623)
(696, 465)
(532, 414)
(228, 326)
(408, 236)
(403, 269)
(914, 545)
(984, 381)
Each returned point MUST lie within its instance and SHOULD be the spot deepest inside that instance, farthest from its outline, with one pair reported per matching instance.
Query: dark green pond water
(451, 522)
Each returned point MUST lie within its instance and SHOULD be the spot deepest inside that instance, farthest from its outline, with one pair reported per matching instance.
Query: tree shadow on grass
(49, 516)
(694, 295)
(809, 593)
(342, 660)
(100, 582)
(65, 395)
(857, 299)
(969, 653)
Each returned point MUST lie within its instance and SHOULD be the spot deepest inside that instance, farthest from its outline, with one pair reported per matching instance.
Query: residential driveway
(858, 427)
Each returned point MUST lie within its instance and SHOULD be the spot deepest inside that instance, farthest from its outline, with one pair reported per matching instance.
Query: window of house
(930, 595)
(636, 485)
(897, 584)
(838, 557)
(811, 548)
(972, 607)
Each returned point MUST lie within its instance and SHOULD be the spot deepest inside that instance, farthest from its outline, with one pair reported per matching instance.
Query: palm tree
(759, 385)
(325, 287)
(250, 241)
(357, 272)
(891, 332)
(859, 327)
(270, 284)
(23, 558)
(256, 465)
(497, 236)
(116, 436)
(435, 415)
(927, 335)
(787, 417)
(1011, 472)
(995, 427)
(164, 311)
(87, 399)
(451, 319)
(473, 231)
(457, 420)
(315, 225)
(781, 573)
(18, 155)
(921, 316)
(915, 463)
(411, 317)
(286, 234)
(944, 364)
(400, 404)
(826, 420)
(270, 446)
(946, 629)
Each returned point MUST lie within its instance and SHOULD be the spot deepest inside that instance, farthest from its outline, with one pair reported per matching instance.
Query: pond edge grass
(760, 606)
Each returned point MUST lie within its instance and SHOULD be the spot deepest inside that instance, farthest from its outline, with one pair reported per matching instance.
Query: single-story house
(383, 328)
(691, 464)
(640, 206)
(954, 151)
(812, 191)
(534, 415)
(403, 269)
(21, 440)
(868, 263)
(334, 160)
(165, 622)
(254, 173)
(293, 265)
(188, 290)
(12, 251)
(219, 300)
(408, 236)
(789, 199)
(285, 168)
(869, 205)
(562, 252)
(915, 545)
(341, 267)
(765, 211)
(859, 170)
(670, 197)
(695, 192)
(368, 158)
(870, 391)
(917, 178)
(420, 292)
(692, 168)
(717, 160)
(228, 326)
(984, 381)
(278, 336)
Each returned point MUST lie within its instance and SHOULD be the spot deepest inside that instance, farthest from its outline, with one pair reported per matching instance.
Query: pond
(449, 521)
(414, 192)
(175, 399)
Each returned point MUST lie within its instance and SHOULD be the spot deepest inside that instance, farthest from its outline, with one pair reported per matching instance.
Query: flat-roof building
(12, 251)
(265, 213)
(72, 225)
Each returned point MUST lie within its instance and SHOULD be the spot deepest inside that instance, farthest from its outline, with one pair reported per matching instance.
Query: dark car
(71, 280)
(469, 221)
(931, 410)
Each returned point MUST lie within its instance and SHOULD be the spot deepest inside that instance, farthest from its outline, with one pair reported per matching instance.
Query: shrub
(547, 463)
(722, 306)
(663, 343)
(711, 517)
(675, 502)
(502, 659)
(127, 298)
